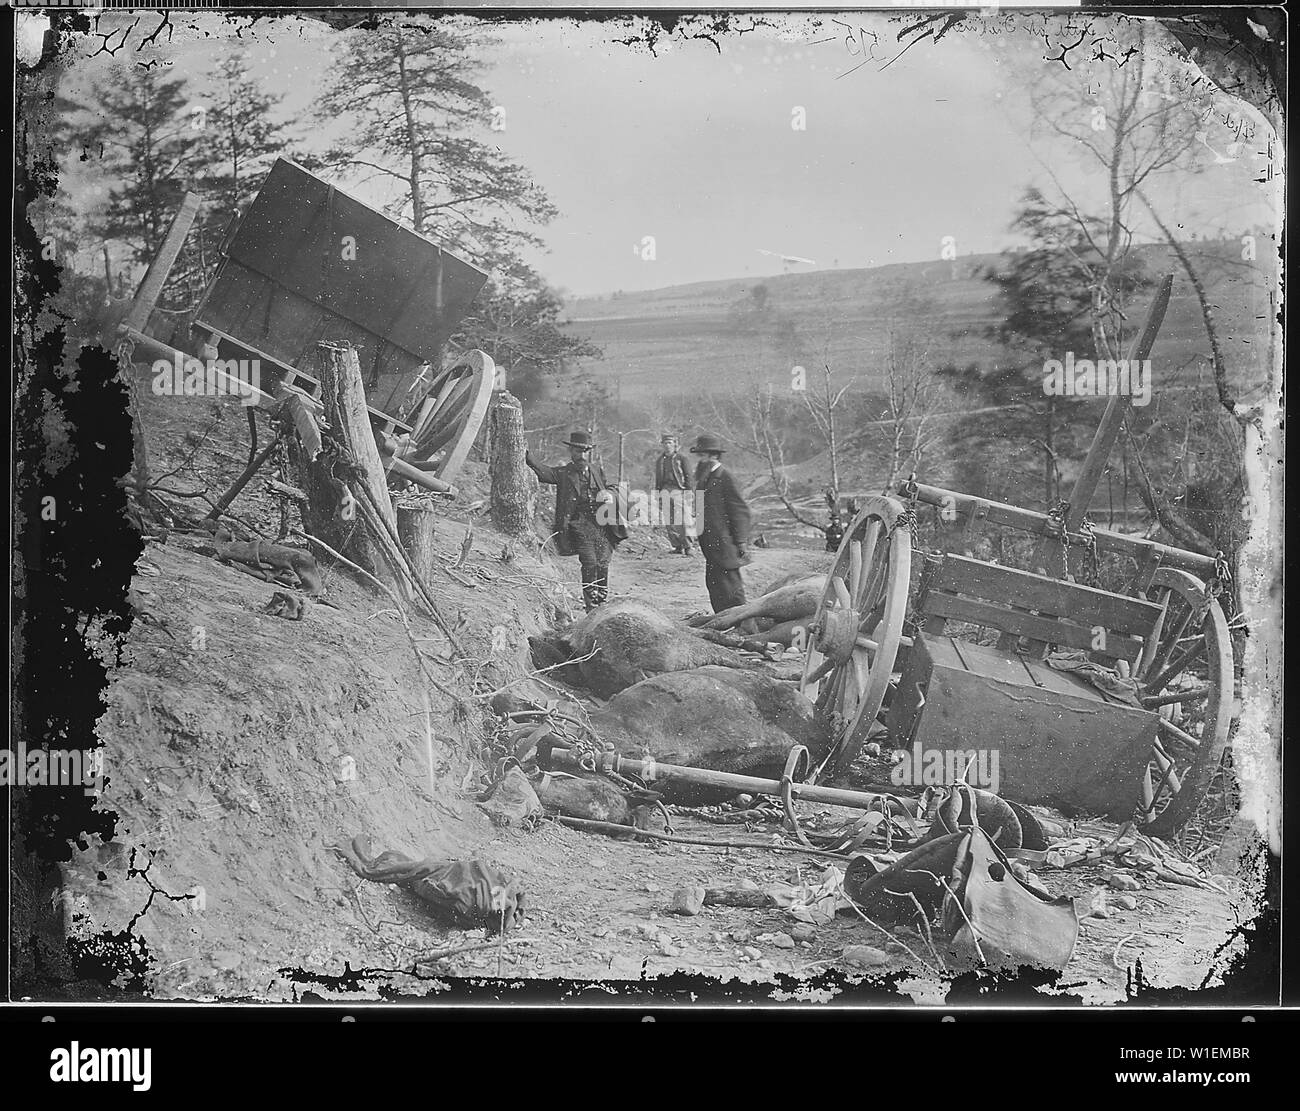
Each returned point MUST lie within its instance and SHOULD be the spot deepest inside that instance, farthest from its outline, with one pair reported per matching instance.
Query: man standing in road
(588, 519)
(673, 481)
(725, 533)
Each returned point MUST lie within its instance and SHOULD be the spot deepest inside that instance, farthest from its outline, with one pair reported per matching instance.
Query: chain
(1057, 513)
(1221, 578)
(1090, 546)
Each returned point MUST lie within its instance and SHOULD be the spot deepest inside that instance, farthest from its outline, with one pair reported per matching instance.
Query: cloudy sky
(692, 142)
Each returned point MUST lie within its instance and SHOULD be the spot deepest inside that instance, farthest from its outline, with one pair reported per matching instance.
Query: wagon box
(308, 263)
(1052, 738)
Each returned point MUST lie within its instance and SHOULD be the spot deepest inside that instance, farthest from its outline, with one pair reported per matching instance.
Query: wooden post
(1116, 408)
(1050, 557)
(137, 317)
(343, 404)
(514, 493)
(146, 297)
(415, 529)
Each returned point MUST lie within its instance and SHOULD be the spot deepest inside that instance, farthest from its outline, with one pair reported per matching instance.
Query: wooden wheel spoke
(1169, 638)
(1197, 694)
(855, 568)
(1169, 729)
(868, 559)
(1162, 680)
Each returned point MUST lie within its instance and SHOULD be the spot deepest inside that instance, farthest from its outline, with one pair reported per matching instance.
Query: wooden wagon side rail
(1033, 521)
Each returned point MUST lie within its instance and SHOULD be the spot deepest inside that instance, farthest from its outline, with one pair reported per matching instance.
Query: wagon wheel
(853, 639)
(1186, 675)
(453, 410)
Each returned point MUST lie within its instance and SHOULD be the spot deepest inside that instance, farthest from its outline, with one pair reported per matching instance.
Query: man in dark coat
(725, 532)
(589, 521)
(674, 479)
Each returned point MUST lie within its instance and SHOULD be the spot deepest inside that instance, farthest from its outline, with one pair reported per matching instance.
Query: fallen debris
(468, 892)
(687, 901)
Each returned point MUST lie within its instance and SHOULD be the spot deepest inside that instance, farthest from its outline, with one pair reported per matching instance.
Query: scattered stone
(752, 953)
(744, 802)
(717, 937)
(1122, 881)
(669, 950)
(872, 749)
(783, 941)
(803, 932)
(687, 900)
(764, 964)
(805, 945)
(1126, 901)
(741, 936)
(864, 956)
(1097, 908)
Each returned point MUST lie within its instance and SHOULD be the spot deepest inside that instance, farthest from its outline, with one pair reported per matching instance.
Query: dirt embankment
(241, 746)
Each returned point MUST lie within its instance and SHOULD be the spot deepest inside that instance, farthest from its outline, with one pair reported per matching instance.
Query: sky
(693, 143)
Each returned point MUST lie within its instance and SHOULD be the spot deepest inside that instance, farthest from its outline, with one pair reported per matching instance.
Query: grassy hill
(666, 344)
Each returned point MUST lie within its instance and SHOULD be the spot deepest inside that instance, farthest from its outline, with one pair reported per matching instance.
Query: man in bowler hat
(588, 520)
(725, 533)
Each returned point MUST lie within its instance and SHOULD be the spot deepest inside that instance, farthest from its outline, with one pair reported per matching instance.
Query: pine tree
(240, 138)
(411, 88)
(139, 133)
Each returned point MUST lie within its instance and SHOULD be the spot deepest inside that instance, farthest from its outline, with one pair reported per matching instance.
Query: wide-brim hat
(705, 442)
(579, 439)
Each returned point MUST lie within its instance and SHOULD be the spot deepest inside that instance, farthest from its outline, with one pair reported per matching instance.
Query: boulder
(711, 717)
(632, 642)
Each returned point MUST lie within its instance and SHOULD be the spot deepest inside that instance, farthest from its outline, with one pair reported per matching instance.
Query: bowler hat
(705, 442)
(579, 439)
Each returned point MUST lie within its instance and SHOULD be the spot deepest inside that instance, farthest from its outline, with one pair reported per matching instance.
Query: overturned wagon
(308, 264)
(1102, 701)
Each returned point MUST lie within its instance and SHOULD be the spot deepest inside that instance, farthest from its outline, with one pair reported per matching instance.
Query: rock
(803, 932)
(687, 900)
(668, 949)
(783, 941)
(1097, 908)
(742, 936)
(764, 964)
(584, 795)
(752, 953)
(1122, 881)
(633, 642)
(744, 802)
(511, 801)
(864, 956)
(1125, 901)
(714, 718)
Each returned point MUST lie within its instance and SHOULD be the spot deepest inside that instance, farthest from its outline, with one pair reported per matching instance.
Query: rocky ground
(228, 732)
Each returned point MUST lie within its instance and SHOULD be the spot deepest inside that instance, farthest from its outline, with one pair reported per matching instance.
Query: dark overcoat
(727, 519)
(576, 487)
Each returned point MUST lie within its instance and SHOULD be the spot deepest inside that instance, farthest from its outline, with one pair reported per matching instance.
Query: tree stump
(415, 529)
(514, 491)
(326, 515)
